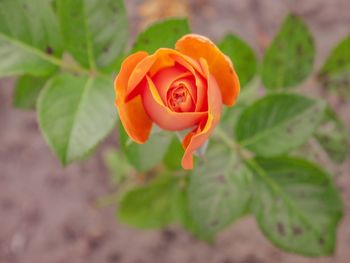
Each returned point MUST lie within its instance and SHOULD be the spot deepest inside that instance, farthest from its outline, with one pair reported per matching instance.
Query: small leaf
(149, 206)
(145, 156)
(278, 123)
(100, 30)
(296, 205)
(242, 56)
(219, 190)
(174, 154)
(161, 34)
(333, 136)
(246, 97)
(289, 59)
(73, 125)
(29, 37)
(335, 73)
(118, 166)
(27, 91)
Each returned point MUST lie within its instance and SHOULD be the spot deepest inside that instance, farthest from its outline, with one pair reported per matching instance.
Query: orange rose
(177, 90)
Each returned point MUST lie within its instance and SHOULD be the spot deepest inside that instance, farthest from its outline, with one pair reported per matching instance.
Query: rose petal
(164, 117)
(135, 120)
(196, 69)
(220, 66)
(190, 85)
(165, 77)
(163, 57)
(200, 135)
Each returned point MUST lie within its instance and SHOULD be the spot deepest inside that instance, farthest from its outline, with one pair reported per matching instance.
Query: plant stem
(226, 139)
(232, 144)
(247, 157)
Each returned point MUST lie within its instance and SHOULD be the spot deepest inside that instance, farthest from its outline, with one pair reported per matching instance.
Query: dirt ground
(47, 213)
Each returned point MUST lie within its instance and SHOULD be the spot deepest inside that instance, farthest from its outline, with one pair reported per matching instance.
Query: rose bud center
(179, 98)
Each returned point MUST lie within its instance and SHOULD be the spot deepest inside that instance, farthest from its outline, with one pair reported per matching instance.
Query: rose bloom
(177, 89)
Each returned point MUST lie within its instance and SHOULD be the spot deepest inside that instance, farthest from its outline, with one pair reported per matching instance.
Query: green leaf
(27, 91)
(29, 37)
(230, 115)
(174, 154)
(161, 34)
(242, 56)
(333, 136)
(94, 31)
(335, 73)
(75, 114)
(296, 205)
(219, 190)
(149, 206)
(145, 156)
(277, 123)
(289, 59)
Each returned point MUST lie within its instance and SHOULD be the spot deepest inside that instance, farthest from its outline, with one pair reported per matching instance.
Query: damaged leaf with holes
(290, 57)
(296, 205)
(333, 136)
(335, 73)
(29, 38)
(278, 123)
(219, 190)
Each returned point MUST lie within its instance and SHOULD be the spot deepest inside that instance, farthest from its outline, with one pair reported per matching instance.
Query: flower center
(179, 98)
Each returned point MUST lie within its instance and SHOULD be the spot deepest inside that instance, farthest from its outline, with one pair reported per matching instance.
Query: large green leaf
(145, 156)
(242, 56)
(29, 37)
(94, 31)
(75, 113)
(219, 190)
(278, 123)
(27, 91)
(333, 136)
(289, 59)
(296, 205)
(161, 34)
(182, 214)
(149, 206)
(335, 73)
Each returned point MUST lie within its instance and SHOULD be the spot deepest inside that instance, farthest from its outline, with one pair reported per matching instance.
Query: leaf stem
(247, 157)
(232, 144)
(74, 68)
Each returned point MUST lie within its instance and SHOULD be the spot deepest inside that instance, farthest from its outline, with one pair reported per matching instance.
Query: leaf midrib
(67, 147)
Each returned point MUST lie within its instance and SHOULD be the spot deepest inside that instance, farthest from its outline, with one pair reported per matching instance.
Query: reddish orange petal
(196, 70)
(163, 116)
(166, 76)
(162, 58)
(135, 120)
(220, 66)
(199, 136)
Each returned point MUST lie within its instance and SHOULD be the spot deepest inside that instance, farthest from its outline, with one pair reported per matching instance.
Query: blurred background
(49, 214)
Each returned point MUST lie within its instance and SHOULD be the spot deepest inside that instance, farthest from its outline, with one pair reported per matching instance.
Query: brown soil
(47, 213)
